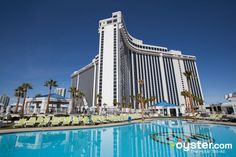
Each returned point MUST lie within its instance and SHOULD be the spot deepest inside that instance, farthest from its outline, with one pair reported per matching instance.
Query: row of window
(147, 68)
(172, 91)
(114, 67)
(130, 40)
(101, 65)
(194, 82)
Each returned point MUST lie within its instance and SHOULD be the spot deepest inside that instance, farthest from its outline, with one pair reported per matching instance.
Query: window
(110, 21)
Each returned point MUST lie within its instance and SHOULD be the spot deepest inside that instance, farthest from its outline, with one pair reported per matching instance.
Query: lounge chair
(211, 117)
(56, 121)
(45, 122)
(86, 121)
(31, 122)
(66, 121)
(95, 120)
(39, 120)
(103, 119)
(220, 117)
(75, 120)
(21, 123)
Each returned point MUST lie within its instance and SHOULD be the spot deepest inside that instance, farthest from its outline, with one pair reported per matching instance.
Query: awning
(164, 104)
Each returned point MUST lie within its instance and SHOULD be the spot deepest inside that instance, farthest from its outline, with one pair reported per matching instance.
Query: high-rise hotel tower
(123, 60)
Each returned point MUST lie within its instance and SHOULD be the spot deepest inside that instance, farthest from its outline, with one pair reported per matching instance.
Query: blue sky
(41, 40)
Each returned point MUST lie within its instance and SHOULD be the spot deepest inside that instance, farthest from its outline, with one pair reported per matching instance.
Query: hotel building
(123, 60)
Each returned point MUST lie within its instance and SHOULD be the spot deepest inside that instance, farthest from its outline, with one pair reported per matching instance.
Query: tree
(152, 99)
(19, 94)
(73, 92)
(50, 84)
(134, 99)
(140, 96)
(185, 94)
(188, 75)
(115, 103)
(201, 103)
(130, 103)
(25, 88)
(124, 101)
(99, 98)
(80, 95)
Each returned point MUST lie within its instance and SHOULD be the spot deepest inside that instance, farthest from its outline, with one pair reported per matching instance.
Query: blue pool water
(150, 139)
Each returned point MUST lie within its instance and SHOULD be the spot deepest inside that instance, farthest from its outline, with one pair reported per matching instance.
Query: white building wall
(163, 78)
(177, 71)
(107, 85)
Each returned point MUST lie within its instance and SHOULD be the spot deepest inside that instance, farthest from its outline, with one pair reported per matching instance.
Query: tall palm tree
(201, 103)
(152, 99)
(98, 97)
(124, 101)
(19, 94)
(155, 107)
(130, 103)
(115, 102)
(73, 92)
(188, 74)
(25, 88)
(195, 99)
(79, 96)
(134, 99)
(141, 82)
(50, 84)
(185, 94)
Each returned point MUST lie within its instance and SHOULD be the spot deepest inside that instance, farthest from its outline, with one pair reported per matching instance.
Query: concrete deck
(17, 130)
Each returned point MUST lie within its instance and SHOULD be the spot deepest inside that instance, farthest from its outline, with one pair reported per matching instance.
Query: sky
(42, 40)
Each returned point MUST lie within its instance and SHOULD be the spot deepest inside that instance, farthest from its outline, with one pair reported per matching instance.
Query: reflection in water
(136, 140)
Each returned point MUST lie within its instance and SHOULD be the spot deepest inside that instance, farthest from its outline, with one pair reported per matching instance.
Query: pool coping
(34, 129)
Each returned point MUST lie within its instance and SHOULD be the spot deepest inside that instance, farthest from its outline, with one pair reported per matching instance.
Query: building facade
(5, 100)
(60, 91)
(123, 60)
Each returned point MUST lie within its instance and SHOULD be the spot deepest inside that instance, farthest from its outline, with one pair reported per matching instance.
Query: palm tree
(115, 102)
(140, 96)
(201, 103)
(19, 94)
(73, 92)
(185, 94)
(50, 84)
(99, 97)
(123, 101)
(195, 99)
(152, 99)
(25, 88)
(80, 95)
(155, 101)
(134, 99)
(188, 75)
(130, 103)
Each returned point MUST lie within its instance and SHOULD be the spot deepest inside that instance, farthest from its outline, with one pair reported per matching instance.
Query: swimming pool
(150, 139)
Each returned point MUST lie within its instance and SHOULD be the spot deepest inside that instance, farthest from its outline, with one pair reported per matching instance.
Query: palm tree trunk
(23, 104)
(186, 105)
(17, 104)
(49, 96)
(190, 97)
(72, 106)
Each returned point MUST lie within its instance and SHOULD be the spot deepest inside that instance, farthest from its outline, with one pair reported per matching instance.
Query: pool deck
(17, 130)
